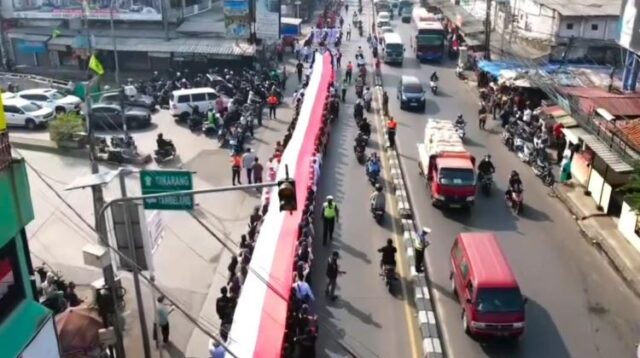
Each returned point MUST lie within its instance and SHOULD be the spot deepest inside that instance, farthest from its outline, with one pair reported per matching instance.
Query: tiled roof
(631, 132)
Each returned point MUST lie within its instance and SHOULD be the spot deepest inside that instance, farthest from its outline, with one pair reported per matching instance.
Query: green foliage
(631, 190)
(66, 127)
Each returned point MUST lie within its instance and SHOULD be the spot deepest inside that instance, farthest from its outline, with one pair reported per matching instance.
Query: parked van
(481, 278)
(182, 102)
(393, 48)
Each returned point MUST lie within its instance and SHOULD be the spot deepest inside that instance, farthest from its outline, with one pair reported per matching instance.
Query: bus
(393, 49)
(429, 41)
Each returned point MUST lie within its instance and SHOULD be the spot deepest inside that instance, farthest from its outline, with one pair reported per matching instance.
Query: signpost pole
(136, 277)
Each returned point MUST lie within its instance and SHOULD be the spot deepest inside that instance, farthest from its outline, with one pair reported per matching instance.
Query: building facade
(26, 327)
(54, 36)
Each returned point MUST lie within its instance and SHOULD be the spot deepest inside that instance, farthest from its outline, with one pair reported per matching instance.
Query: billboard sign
(629, 25)
(237, 19)
(268, 19)
(146, 10)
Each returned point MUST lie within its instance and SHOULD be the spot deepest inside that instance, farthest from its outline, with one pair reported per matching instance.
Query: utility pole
(487, 31)
(165, 18)
(136, 273)
(114, 42)
(98, 199)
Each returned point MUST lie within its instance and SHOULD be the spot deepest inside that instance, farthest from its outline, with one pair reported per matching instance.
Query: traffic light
(287, 195)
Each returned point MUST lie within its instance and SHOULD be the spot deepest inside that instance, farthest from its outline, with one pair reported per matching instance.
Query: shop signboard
(237, 18)
(146, 10)
(268, 19)
(31, 47)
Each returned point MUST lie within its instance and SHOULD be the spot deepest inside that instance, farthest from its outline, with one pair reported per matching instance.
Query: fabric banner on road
(237, 19)
(268, 19)
(261, 314)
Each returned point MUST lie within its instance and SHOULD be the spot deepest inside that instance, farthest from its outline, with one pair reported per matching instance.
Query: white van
(22, 113)
(393, 48)
(182, 102)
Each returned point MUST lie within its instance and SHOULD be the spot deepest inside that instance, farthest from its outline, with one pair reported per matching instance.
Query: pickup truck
(447, 166)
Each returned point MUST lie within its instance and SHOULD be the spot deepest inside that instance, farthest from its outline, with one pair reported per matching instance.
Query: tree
(66, 127)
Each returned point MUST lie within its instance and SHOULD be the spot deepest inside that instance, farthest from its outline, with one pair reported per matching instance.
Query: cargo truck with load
(447, 166)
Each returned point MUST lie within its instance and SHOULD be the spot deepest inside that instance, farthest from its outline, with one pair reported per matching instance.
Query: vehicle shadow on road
(531, 213)
(432, 107)
(541, 338)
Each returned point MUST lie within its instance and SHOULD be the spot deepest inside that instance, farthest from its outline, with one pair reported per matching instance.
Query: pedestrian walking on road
(348, 32)
(333, 271)
(248, 159)
(346, 8)
(392, 125)
(420, 243)
(272, 101)
(162, 320)
(236, 164)
(330, 215)
(258, 171)
(299, 71)
(223, 304)
(349, 73)
(385, 103)
(338, 57)
(345, 84)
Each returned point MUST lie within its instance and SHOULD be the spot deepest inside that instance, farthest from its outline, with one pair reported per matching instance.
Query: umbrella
(78, 329)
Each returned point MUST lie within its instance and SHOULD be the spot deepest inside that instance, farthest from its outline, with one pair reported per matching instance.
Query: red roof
(630, 131)
(487, 260)
(591, 98)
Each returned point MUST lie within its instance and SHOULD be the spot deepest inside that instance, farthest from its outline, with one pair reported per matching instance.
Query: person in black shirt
(388, 255)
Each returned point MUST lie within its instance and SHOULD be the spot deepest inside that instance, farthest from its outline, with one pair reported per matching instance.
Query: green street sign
(166, 181)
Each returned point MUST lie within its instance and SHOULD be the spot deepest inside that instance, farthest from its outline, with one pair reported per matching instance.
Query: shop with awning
(598, 167)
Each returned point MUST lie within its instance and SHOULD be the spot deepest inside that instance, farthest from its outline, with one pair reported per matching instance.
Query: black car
(109, 116)
(411, 94)
(138, 100)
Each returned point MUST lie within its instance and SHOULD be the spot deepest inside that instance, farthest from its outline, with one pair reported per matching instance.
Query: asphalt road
(366, 320)
(578, 306)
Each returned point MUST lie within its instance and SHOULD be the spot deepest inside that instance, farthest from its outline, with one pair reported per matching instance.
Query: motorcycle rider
(388, 255)
(460, 121)
(165, 147)
(434, 77)
(373, 165)
(485, 167)
(365, 127)
(377, 199)
(367, 96)
(358, 110)
(515, 184)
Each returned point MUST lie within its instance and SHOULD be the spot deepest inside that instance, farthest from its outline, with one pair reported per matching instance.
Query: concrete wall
(597, 28)
(600, 190)
(627, 225)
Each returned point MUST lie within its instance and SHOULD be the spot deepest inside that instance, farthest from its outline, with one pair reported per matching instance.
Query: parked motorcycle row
(530, 144)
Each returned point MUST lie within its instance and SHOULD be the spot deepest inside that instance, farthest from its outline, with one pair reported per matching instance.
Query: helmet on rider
(378, 188)
(329, 198)
(487, 157)
(389, 242)
(514, 173)
(159, 135)
(459, 116)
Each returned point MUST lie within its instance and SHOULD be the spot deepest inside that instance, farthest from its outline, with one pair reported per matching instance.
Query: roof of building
(584, 8)
(619, 105)
(630, 131)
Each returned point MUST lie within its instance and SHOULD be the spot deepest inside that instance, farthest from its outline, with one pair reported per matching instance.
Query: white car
(8, 95)
(384, 30)
(383, 16)
(22, 113)
(383, 23)
(51, 98)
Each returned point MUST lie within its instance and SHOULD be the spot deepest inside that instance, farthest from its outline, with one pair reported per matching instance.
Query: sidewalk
(602, 231)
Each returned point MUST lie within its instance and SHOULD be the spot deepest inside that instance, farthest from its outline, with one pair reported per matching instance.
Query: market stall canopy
(78, 329)
(495, 68)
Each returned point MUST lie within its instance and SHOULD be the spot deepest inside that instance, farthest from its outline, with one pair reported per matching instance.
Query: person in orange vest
(272, 101)
(236, 164)
(391, 131)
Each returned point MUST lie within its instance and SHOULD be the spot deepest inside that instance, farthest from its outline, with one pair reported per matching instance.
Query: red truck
(448, 167)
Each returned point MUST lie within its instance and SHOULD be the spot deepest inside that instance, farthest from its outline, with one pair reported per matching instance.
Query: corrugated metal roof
(205, 46)
(619, 105)
(611, 158)
(470, 25)
(631, 131)
(584, 8)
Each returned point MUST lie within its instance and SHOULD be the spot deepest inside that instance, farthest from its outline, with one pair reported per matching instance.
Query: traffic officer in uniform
(420, 243)
(391, 131)
(330, 216)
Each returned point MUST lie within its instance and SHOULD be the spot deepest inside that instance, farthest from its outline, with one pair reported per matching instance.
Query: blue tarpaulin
(495, 67)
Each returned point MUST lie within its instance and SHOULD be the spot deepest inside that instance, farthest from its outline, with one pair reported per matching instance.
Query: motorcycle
(460, 73)
(523, 149)
(359, 152)
(165, 154)
(516, 200)
(378, 215)
(389, 274)
(361, 139)
(486, 183)
(434, 87)
(373, 173)
(542, 170)
(195, 123)
(367, 104)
